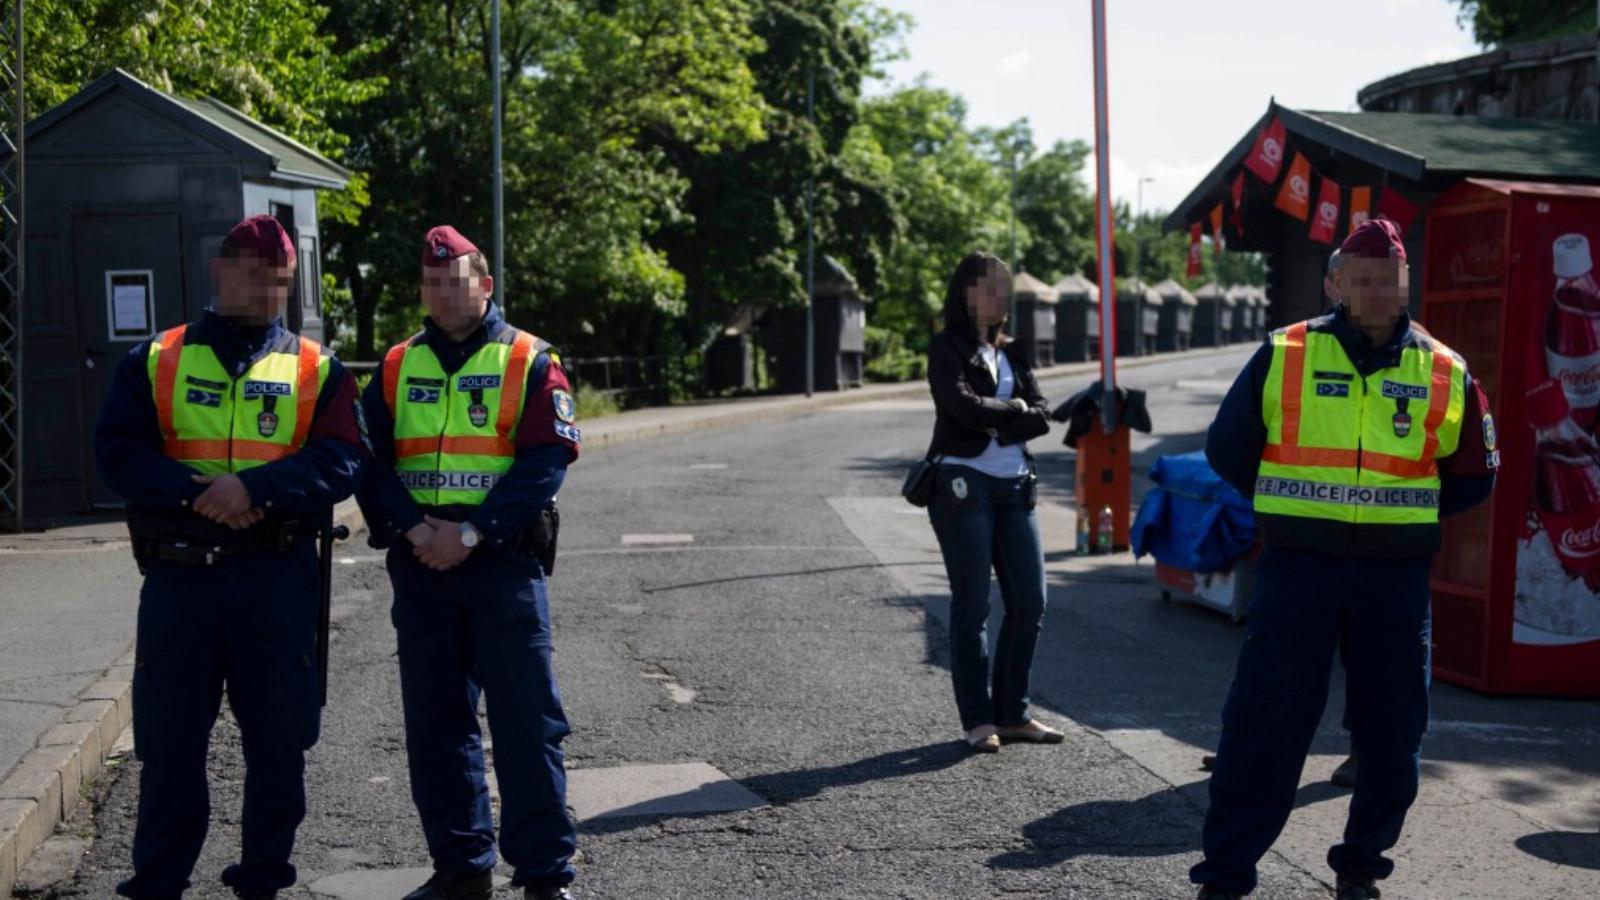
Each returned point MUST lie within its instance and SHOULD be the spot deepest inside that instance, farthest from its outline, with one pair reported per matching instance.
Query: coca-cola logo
(1358, 219)
(1580, 380)
(1329, 212)
(1479, 263)
(1194, 251)
(1272, 151)
(1581, 543)
(1299, 187)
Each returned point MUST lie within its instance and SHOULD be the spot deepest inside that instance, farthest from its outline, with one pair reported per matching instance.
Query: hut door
(129, 274)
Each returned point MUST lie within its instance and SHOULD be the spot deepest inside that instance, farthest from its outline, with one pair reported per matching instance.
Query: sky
(1187, 79)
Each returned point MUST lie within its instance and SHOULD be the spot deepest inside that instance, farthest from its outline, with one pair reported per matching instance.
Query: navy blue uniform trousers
(248, 626)
(1304, 603)
(483, 627)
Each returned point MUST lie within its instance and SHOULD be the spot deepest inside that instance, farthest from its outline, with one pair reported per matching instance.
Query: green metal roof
(292, 158)
(1525, 148)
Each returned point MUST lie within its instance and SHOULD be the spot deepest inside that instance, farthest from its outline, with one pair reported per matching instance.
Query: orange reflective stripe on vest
(391, 374)
(306, 399)
(167, 379)
(1294, 370)
(516, 382)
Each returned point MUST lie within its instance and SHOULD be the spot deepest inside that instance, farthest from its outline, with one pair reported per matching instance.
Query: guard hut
(840, 320)
(1241, 315)
(1138, 318)
(1209, 323)
(1375, 163)
(130, 191)
(1077, 319)
(1036, 319)
(1177, 317)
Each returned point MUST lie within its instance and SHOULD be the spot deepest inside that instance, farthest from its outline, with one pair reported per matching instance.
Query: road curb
(46, 785)
(716, 416)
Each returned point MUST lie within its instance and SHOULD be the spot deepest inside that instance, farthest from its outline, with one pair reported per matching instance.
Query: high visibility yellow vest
(455, 434)
(216, 423)
(1349, 450)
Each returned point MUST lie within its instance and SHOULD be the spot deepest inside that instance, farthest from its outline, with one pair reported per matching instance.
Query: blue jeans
(986, 523)
(1303, 601)
(483, 628)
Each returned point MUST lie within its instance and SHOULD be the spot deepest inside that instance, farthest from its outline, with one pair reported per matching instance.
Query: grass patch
(594, 404)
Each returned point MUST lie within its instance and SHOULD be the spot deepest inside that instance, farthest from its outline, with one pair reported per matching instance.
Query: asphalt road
(796, 643)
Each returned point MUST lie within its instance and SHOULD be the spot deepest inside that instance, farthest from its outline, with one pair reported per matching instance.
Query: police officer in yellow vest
(472, 427)
(1354, 433)
(231, 439)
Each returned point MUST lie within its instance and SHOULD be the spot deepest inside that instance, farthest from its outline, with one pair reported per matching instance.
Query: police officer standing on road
(231, 439)
(1354, 432)
(472, 426)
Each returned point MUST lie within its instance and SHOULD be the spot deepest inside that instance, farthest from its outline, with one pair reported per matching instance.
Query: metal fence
(626, 378)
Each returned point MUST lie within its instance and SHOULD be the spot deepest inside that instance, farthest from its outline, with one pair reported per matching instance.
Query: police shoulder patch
(570, 432)
(566, 408)
(1488, 433)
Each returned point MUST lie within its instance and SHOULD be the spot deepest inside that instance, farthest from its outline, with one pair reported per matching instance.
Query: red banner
(1360, 206)
(1238, 203)
(1326, 222)
(1294, 197)
(1266, 158)
(1194, 251)
(1216, 229)
(1394, 206)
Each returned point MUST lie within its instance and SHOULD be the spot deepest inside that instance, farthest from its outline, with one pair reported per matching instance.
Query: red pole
(1105, 244)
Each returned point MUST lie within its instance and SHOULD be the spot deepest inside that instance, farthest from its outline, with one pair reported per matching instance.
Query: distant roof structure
(1025, 285)
(1417, 147)
(1172, 290)
(266, 152)
(1077, 287)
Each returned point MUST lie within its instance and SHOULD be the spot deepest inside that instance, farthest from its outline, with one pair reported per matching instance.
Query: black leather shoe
(1211, 893)
(456, 886)
(1351, 887)
(547, 893)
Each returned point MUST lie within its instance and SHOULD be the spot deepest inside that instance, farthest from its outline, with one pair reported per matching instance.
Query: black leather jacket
(966, 412)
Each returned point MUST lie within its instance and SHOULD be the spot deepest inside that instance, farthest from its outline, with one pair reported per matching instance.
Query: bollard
(1103, 478)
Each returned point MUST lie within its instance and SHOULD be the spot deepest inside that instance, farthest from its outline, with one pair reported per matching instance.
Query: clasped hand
(436, 543)
(226, 501)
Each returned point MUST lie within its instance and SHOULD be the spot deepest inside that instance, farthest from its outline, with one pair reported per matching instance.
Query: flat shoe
(983, 739)
(1032, 732)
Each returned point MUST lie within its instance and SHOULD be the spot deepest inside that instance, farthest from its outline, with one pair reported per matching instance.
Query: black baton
(325, 538)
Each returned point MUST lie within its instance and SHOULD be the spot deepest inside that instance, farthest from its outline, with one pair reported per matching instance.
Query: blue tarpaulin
(1193, 519)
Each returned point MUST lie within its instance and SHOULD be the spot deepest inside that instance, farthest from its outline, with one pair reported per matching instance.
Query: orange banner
(1360, 206)
(1295, 196)
(1216, 229)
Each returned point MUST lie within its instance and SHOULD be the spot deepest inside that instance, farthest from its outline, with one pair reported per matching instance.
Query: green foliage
(270, 59)
(889, 359)
(1499, 22)
(594, 404)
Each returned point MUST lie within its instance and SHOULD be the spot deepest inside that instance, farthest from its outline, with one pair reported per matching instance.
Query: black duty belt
(188, 550)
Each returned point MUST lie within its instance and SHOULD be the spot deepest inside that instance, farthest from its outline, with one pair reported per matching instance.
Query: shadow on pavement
(1564, 848)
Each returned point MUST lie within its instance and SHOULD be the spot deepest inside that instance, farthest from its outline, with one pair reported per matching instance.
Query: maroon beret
(443, 244)
(1375, 239)
(264, 237)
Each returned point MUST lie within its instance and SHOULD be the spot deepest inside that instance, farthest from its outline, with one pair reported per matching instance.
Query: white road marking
(708, 466)
(634, 540)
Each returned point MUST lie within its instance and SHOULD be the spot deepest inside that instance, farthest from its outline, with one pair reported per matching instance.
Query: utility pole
(811, 260)
(499, 168)
(1138, 241)
(1104, 241)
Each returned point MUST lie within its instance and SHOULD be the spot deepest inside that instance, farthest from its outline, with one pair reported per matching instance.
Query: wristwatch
(469, 535)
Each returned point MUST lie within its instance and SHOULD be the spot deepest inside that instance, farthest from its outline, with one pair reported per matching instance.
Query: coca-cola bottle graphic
(1566, 482)
(1572, 332)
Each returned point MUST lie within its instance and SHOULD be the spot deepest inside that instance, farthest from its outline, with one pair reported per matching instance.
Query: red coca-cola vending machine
(1509, 282)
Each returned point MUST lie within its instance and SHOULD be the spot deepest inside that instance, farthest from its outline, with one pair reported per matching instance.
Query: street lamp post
(1138, 242)
(499, 169)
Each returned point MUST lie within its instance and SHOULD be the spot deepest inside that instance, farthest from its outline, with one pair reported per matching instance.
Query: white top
(996, 461)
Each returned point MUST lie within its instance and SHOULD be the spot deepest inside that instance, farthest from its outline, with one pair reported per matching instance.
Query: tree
(267, 58)
(1497, 22)
(591, 93)
(1056, 208)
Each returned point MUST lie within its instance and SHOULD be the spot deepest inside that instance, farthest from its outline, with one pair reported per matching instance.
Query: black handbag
(918, 488)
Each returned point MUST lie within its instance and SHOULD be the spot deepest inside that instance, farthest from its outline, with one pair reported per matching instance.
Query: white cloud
(1014, 64)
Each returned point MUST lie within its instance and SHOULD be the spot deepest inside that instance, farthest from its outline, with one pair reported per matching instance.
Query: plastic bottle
(1107, 530)
(1572, 331)
(1566, 482)
(1082, 547)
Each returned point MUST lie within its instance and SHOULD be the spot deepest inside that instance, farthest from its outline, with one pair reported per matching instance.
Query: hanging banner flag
(1194, 251)
(1360, 206)
(1326, 222)
(1395, 206)
(1266, 158)
(1238, 203)
(1294, 197)
(1216, 229)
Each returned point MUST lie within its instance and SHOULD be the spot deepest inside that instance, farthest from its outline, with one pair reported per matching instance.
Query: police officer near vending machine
(472, 426)
(1354, 432)
(231, 439)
